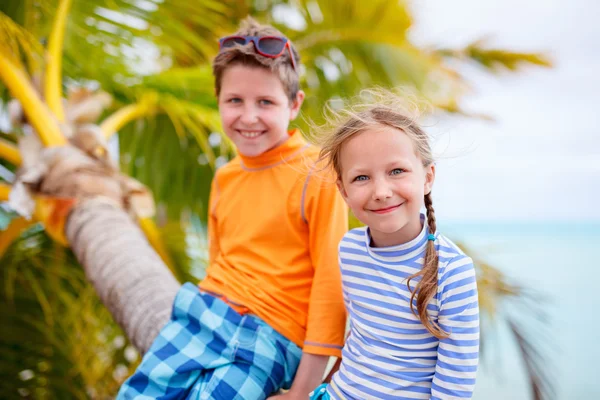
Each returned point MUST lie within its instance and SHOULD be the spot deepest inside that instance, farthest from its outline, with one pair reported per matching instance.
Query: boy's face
(255, 109)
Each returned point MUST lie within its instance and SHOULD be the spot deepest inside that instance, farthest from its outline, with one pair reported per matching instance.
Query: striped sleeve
(458, 354)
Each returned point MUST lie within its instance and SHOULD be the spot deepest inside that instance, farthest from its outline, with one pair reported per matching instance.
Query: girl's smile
(387, 209)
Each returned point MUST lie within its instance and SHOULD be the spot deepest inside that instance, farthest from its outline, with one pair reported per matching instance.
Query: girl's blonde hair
(386, 109)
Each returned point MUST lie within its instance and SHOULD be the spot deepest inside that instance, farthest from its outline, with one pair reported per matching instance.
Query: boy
(270, 308)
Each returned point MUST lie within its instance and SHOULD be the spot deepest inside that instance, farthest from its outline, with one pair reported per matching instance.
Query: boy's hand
(308, 377)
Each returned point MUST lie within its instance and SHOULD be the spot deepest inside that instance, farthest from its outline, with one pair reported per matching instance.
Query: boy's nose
(249, 115)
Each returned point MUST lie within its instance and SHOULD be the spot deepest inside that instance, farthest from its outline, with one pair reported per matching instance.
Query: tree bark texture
(130, 278)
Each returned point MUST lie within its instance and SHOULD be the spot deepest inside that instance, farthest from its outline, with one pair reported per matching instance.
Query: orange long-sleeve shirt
(274, 230)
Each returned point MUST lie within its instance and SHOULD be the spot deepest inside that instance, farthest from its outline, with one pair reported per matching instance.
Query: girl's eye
(265, 102)
(360, 178)
(396, 171)
(235, 100)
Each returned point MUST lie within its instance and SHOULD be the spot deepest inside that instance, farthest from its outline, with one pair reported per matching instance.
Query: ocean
(557, 261)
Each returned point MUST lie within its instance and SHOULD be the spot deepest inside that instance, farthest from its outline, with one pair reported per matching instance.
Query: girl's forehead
(383, 140)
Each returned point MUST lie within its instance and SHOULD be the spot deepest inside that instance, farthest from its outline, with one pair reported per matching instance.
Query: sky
(539, 160)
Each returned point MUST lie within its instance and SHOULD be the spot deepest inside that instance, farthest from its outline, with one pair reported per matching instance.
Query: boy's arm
(326, 215)
(308, 377)
(459, 315)
(213, 237)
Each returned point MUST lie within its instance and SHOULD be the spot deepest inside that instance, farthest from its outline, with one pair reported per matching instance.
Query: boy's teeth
(249, 134)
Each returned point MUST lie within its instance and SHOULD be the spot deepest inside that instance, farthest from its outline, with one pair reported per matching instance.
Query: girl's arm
(458, 354)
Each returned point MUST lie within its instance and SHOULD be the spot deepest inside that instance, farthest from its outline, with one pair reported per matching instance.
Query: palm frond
(495, 59)
(53, 77)
(9, 152)
(56, 338)
(17, 43)
(175, 168)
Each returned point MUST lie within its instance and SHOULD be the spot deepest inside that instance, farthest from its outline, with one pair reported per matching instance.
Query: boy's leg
(264, 362)
(199, 337)
(234, 382)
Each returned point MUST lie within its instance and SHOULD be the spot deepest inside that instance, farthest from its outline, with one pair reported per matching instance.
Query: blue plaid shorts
(209, 351)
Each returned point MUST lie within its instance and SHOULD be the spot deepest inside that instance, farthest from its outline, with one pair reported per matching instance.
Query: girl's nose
(381, 190)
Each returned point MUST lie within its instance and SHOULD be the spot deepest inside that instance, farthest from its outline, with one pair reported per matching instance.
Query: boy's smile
(255, 109)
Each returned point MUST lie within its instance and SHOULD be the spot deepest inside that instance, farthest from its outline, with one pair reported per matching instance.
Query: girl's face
(384, 183)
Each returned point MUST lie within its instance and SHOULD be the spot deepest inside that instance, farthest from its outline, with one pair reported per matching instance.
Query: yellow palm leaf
(38, 114)
(4, 192)
(53, 81)
(10, 152)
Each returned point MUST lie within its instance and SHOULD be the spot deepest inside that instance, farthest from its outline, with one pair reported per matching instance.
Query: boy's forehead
(244, 79)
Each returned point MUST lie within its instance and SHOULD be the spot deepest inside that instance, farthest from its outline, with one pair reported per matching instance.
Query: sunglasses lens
(232, 41)
(271, 46)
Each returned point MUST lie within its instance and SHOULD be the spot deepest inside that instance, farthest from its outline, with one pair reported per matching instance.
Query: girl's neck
(401, 236)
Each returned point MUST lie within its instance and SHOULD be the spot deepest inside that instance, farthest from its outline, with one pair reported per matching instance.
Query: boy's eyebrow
(235, 94)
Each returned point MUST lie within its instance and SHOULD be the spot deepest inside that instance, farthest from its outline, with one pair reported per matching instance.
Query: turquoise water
(557, 260)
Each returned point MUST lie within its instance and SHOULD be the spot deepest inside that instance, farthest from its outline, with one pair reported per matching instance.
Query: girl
(410, 292)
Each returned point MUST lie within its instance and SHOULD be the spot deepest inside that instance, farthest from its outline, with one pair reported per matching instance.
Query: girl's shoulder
(452, 259)
(355, 237)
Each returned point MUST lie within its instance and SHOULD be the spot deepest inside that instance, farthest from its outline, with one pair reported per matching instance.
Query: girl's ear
(340, 187)
(429, 178)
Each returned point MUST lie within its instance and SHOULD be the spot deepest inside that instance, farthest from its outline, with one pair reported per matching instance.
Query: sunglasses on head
(267, 46)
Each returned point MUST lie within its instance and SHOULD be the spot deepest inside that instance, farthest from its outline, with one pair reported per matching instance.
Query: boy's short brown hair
(247, 55)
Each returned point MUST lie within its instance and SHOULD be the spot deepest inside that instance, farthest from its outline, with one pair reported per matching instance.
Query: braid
(427, 286)
(430, 214)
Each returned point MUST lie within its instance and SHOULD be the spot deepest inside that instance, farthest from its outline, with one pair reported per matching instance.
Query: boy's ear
(429, 178)
(296, 104)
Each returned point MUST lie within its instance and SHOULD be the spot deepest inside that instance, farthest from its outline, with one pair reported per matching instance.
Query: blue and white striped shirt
(389, 354)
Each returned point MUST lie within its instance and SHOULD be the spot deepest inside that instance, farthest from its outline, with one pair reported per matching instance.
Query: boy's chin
(257, 149)
(252, 151)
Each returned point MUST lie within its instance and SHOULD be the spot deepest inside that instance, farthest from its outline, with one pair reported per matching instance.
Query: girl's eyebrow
(402, 162)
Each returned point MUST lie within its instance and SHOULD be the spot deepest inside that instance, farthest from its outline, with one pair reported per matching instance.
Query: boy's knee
(236, 382)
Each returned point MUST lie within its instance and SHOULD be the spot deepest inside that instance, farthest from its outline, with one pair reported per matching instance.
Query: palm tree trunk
(130, 278)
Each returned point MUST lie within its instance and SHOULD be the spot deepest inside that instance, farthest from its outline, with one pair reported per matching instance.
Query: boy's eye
(235, 100)
(265, 102)
(360, 178)
(397, 171)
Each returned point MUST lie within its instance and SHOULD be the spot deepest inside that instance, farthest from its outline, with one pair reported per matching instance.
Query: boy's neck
(292, 145)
